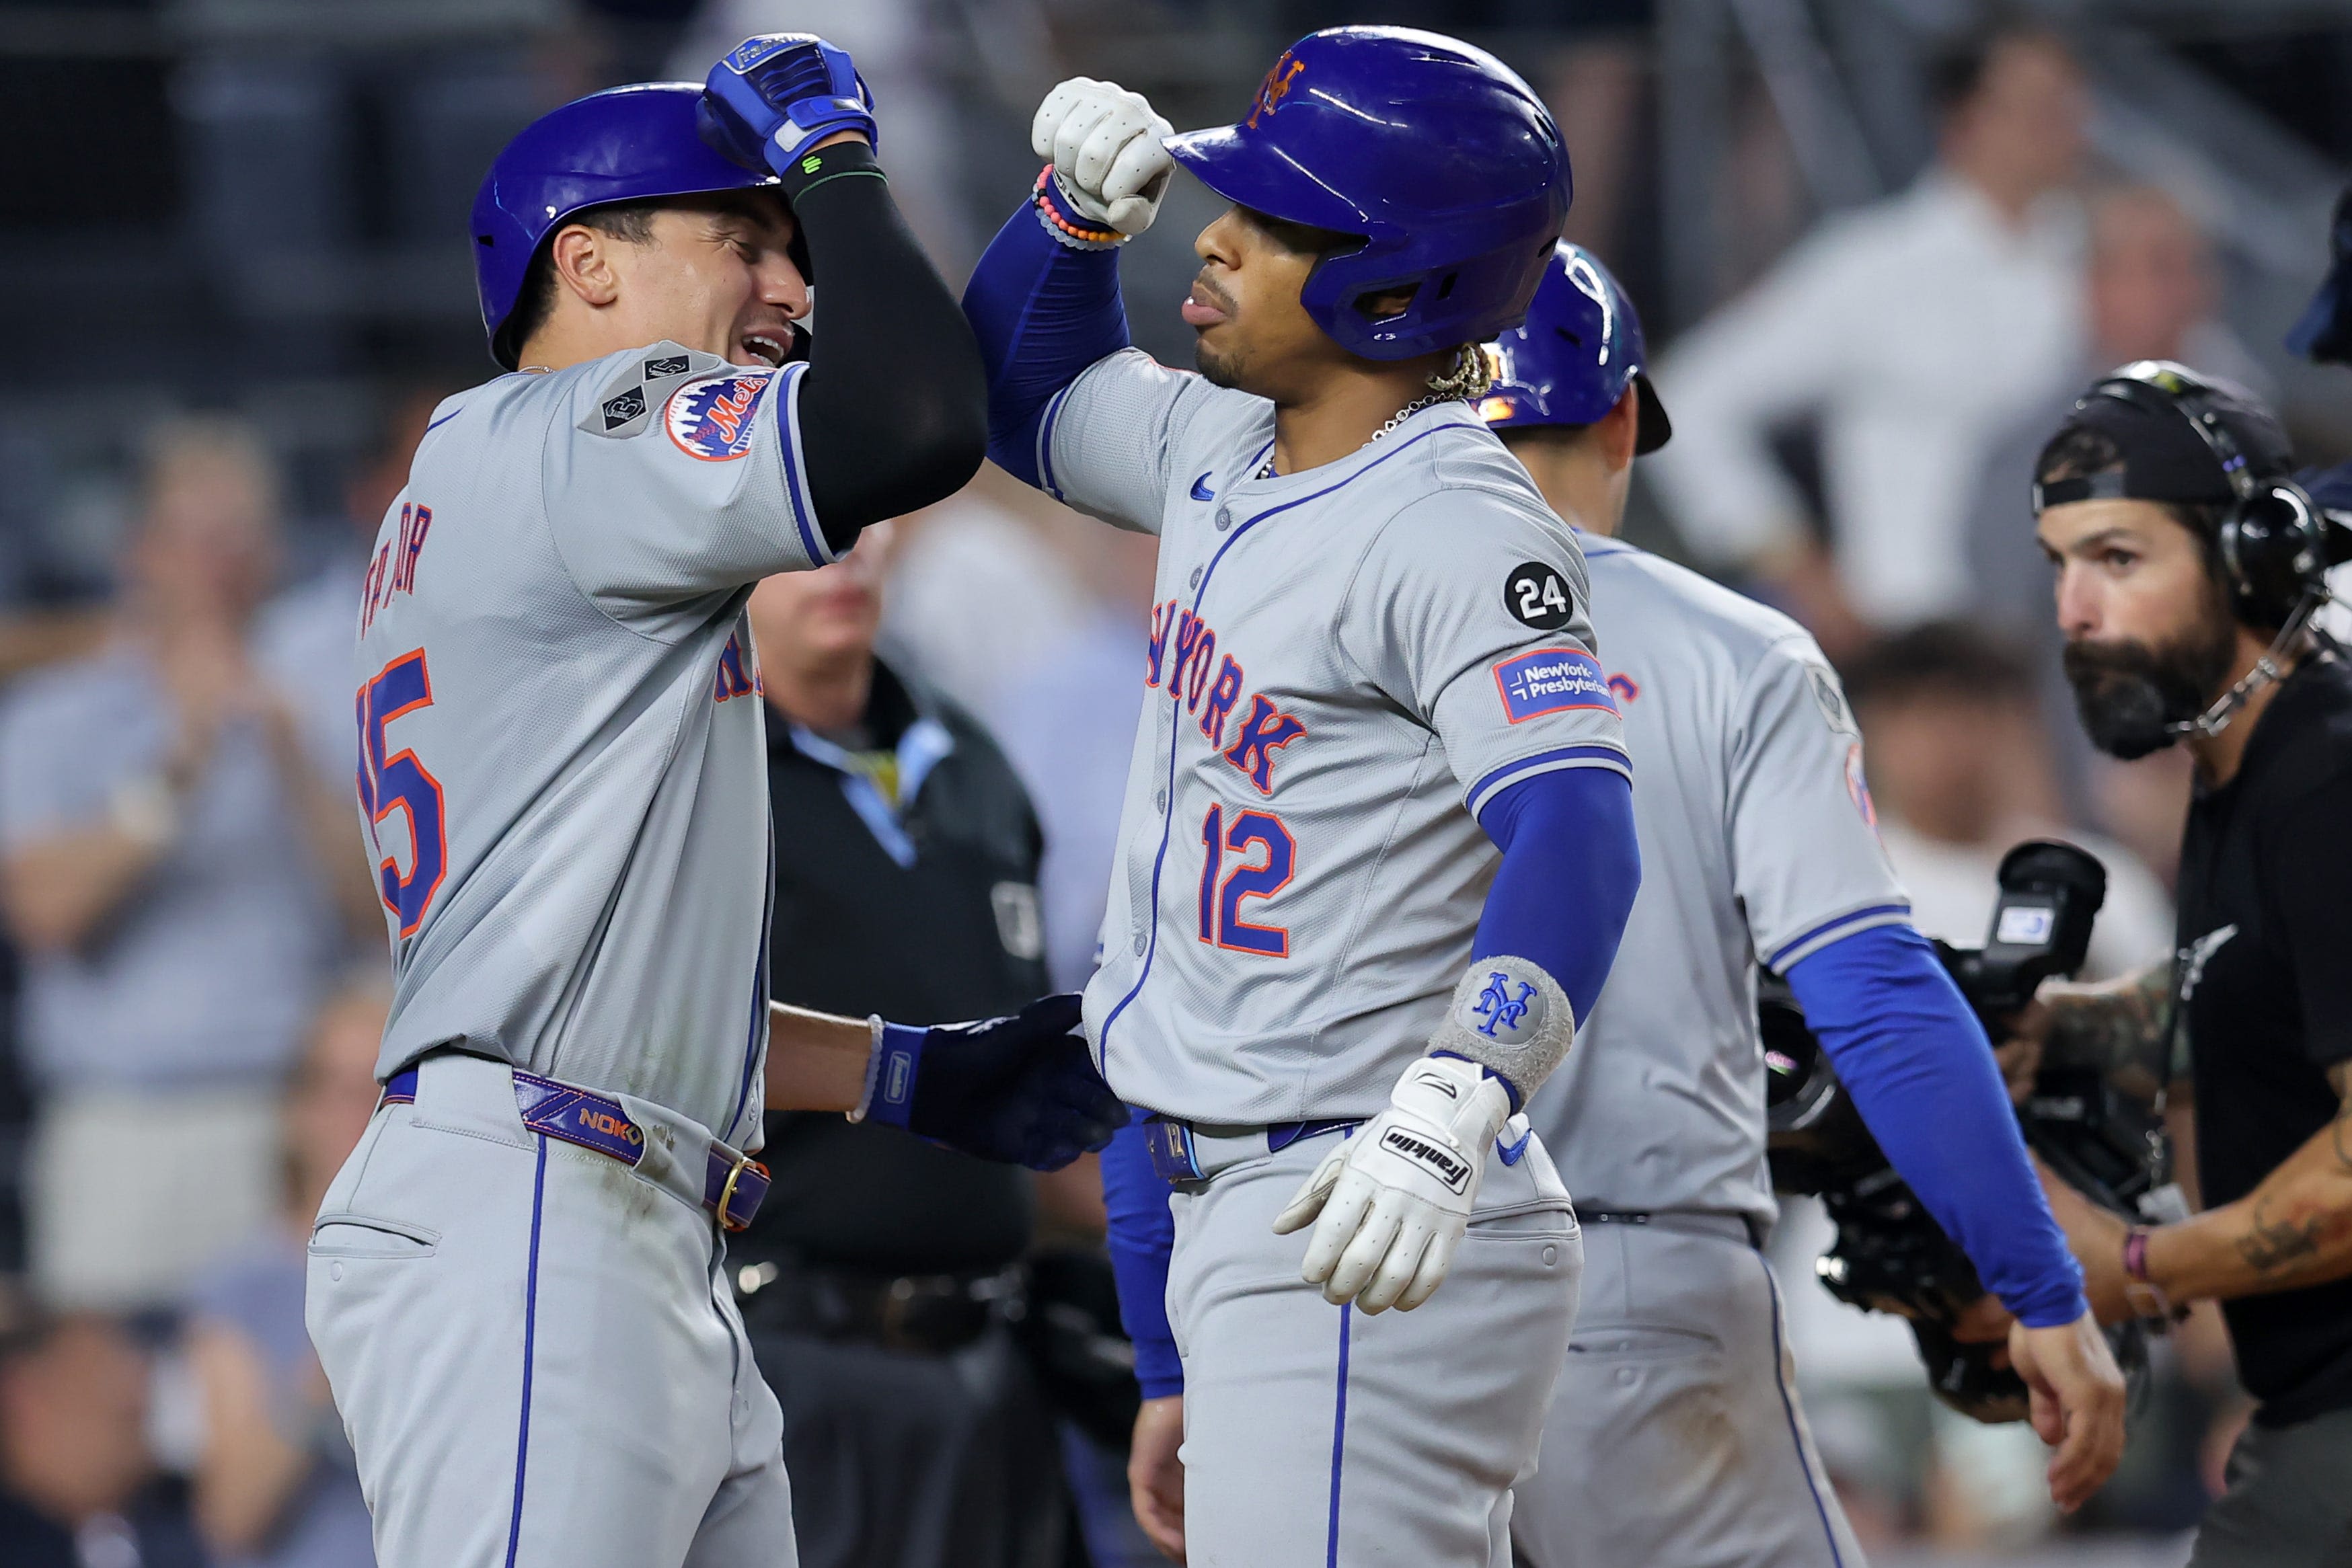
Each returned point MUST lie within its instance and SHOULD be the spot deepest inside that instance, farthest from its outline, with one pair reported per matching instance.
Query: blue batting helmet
(1580, 348)
(624, 144)
(1447, 165)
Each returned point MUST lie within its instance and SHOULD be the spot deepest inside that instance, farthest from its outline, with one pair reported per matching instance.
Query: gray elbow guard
(1511, 1016)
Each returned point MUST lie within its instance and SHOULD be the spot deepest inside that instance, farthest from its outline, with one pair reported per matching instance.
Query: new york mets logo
(1274, 88)
(1501, 1009)
(712, 419)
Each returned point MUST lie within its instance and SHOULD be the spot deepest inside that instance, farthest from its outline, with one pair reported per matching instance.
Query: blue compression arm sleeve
(1142, 1234)
(1923, 1076)
(1571, 868)
(1043, 313)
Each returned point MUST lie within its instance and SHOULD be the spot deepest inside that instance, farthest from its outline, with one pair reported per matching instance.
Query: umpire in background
(875, 1280)
(2188, 566)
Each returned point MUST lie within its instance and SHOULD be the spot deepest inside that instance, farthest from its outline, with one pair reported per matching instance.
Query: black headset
(2272, 539)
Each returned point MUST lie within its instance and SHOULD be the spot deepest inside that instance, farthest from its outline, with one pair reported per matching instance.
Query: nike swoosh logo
(1511, 1153)
(1200, 491)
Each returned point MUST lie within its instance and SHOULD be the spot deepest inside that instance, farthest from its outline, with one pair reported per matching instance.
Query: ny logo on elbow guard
(1501, 1009)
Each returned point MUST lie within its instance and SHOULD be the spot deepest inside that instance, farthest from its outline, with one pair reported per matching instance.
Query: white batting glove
(1105, 144)
(1396, 1198)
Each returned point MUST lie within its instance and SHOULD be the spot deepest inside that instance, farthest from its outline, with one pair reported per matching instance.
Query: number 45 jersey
(1346, 665)
(563, 767)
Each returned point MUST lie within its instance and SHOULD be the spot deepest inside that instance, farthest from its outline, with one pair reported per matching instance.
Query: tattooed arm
(2292, 1230)
(2123, 1027)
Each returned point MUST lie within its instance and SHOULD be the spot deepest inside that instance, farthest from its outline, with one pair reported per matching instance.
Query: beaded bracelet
(1060, 226)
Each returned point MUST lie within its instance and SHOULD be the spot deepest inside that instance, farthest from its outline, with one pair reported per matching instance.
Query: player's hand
(2077, 1395)
(1105, 144)
(1155, 1474)
(1394, 1200)
(779, 95)
(1023, 1090)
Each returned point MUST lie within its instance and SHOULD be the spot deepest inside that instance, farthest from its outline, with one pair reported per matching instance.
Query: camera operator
(2188, 565)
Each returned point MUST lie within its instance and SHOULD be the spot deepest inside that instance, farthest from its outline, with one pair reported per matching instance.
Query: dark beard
(2131, 694)
(1217, 372)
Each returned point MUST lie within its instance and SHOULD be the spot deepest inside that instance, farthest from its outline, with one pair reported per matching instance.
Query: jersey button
(1160, 801)
(1224, 518)
(1139, 944)
(1196, 577)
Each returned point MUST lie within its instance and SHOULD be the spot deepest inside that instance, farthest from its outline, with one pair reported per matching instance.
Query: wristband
(889, 1096)
(2145, 1297)
(1069, 231)
(875, 1027)
(819, 165)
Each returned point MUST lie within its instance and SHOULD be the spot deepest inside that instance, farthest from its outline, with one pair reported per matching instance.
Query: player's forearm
(1571, 866)
(893, 411)
(1922, 1074)
(816, 1062)
(2292, 1230)
(1043, 312)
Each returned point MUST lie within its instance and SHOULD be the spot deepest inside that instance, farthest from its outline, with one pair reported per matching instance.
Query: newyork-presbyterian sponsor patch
(1552, 680)
(713, 419)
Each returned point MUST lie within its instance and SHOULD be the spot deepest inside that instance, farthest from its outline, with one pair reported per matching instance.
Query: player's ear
(583, 261)
(1620, 428)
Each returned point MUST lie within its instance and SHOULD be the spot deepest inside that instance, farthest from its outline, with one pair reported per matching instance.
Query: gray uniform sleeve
(1806, 860)
(1470, 610)
(1107, 439)
(669, 475)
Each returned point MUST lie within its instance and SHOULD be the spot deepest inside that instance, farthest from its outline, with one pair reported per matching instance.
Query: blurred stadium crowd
(233, 267)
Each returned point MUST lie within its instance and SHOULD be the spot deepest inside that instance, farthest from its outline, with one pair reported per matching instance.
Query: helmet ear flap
(2270, 545)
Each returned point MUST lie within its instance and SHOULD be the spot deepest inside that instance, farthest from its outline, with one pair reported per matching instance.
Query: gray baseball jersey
(1757, 845)
(562, 762)
(1340, 662)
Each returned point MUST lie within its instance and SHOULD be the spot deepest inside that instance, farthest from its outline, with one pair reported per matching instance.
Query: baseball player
(1377, 841)
(514, 1282)
(1675, 1434)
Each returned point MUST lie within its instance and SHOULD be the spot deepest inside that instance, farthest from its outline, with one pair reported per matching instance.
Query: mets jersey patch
(1552, 680)
(712, 419)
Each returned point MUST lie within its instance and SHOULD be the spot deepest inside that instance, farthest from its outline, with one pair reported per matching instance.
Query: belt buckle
(1173, 1154)
(725, 1207)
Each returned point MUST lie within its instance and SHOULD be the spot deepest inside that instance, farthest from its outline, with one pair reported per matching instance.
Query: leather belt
(1184, 1153)
(733, 1184)
(934, 1315)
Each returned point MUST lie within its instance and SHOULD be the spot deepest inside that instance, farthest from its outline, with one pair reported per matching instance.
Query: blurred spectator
(276, 1486)
(306, 633)
(2150, 293)
(1069, 724)
(979, 594)
(172, 862)
(1910, 333)
(1959, 774)
(77, 1488)
(875, 1280)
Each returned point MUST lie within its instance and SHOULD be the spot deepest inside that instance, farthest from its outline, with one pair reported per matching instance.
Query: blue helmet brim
(1264, 178)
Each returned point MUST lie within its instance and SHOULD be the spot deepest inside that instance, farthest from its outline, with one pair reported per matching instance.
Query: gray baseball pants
(1318, 1437)
(532, 1346)
(1675, 1435)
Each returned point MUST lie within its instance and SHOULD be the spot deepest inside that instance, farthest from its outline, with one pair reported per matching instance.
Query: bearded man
(2188, 565)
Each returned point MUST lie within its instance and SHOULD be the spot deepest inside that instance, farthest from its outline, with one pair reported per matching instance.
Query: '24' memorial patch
(1552, 680)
